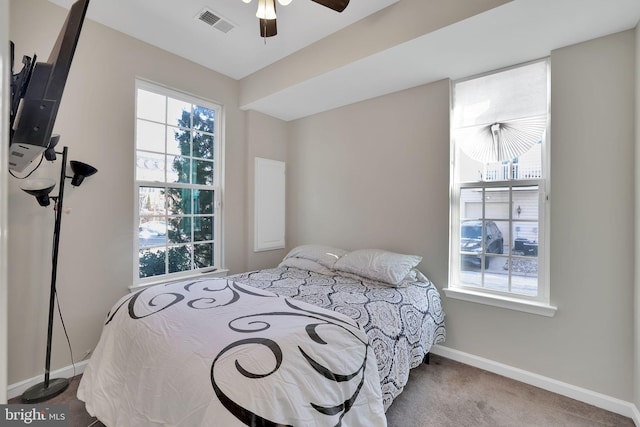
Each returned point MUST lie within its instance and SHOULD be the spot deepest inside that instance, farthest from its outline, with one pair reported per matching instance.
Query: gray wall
(591, 264)
(376, 174)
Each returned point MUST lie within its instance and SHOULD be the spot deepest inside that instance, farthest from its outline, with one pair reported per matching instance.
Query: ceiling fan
(267, 13)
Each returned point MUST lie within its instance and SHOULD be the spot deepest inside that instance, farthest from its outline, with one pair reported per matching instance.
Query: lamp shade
(266, 9)
(80, 172)
(500, 141)
(40, 188)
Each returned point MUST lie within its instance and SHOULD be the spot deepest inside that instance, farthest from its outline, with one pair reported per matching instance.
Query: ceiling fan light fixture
(266, 9)
(266, 13)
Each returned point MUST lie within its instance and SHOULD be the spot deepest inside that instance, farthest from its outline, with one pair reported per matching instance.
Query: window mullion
(483, 259)
(509, 258)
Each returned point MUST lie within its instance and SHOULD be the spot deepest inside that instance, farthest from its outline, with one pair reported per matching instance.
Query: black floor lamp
(40, 188)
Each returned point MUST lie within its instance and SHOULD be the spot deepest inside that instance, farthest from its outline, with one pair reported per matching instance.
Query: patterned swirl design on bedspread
(316, 325)
(401, 323)
(220, 296)
(315, 322)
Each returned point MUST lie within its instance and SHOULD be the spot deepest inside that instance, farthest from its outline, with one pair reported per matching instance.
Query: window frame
(539, 304)
(217, 187)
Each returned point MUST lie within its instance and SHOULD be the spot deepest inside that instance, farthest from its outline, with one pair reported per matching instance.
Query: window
(177, 179)
(499, 208)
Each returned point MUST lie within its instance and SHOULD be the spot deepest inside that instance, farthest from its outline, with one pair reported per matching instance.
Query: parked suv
(471, 241)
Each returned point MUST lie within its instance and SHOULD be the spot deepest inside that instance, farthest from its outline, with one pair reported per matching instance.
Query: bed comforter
(402, 323)
(218, 353)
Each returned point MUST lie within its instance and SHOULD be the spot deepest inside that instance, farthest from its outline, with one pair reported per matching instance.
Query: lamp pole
(50, 388)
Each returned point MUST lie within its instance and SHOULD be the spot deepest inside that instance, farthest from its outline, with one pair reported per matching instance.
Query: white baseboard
(599, 400)
(636, 415)
(17, 389)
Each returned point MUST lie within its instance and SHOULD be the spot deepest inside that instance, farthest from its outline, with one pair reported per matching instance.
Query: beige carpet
(447, 393)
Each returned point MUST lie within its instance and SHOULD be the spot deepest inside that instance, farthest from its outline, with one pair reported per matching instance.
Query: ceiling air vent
(214, 20)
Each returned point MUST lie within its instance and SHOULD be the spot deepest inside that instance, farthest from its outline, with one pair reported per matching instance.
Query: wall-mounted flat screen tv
(36, 92)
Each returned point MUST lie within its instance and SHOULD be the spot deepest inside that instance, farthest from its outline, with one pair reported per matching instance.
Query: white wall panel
(269, 204)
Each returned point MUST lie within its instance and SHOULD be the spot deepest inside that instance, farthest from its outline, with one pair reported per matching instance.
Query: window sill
(531, 307)
(220, 272)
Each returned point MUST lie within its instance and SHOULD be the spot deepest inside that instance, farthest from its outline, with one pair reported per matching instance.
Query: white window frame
(217, 187)
(539, 304)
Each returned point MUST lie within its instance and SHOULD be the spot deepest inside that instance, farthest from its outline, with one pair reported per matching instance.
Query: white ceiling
(171, 25)
(516, 32)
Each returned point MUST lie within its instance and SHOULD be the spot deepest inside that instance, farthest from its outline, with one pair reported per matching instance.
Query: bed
(326, 338)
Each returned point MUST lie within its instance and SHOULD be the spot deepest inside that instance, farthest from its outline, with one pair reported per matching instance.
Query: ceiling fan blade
(337, 5)
(268, 27)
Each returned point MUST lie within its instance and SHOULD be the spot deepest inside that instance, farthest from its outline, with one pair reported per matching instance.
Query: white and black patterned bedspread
(402, 323)
(212, 352)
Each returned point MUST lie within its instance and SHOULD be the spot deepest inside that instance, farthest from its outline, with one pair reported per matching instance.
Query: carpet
(446, 393)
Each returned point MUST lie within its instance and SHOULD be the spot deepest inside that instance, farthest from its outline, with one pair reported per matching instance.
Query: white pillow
(323, 255)
(414, 276)
(378, 264)
(306, 264)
